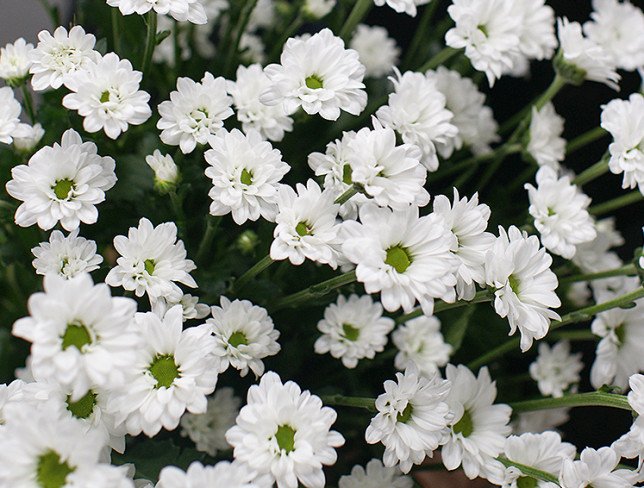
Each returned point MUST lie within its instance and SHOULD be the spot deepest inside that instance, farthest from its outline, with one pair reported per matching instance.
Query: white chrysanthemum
(405, 257)
(416, 110)
(620, 352)
(519, 270)
(316, 9)
(556, 370)
(306, 225)
(66, 256)
(596, 467)
(208, 430)
(631, 444)
(181, 10)
(192, 309)
(285, 433)
(253, 50)
(81, 336)
(173, 372)
(582, 58)
(151, 261)
(353, 329)
(263, 16)
(559, 211)
(376, 50)
(594, 256)
(166, 173)
(9, 112)
(391, 175)
(403, 6)
(479, 427)
(26, 137)
(15, 60)
(244, 335)
(222, 475)
(59, 56)
(619, 28)
(537, 38)
(194, 112)
(62, 183)
(540, 420)
(271, 121)
(420, 342)
(37, 450)
(245, 171)
(412, 418)
(543, 451)
(624, 119)
(319, 75)
(14, 392)
(475, 122)
(546, 145)
(467, 220)
(375, 476)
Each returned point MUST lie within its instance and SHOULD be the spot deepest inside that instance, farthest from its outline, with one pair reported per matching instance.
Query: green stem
(28, 102)
(314, 291)
(480, 297)
(592, 399)
(627, 270)
(150, 41)
(346, 195)
(359, 12)
(571, 335)
(584, 139)
(212, 223)
(616, 203)
(260, 266)
(419, 36)
(529, 470)
(242, 22)
(345, 401)
(439, 58)
(117, 30)
(524, 177)
(557, 84)
(595, 171)
(474, 160)
(177, 206)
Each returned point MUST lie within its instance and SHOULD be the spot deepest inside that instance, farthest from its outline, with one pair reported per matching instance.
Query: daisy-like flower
(555, 370)
(66, 256)
(192, 309)
(173, 371)
(624, 119)
(467, 220)
(594, 256)
(221, 475)
(353, 329)
(595, 467)
(559, 211)
(194, 112)
(475, 122)
(479, 427)
(377, 51)
(284, 432)
(59, 56)
(375, 476)
(546, 145)
(306, 227)
(81, 336)
(412, 418)
(420, 342)
(580, 58)
(271, 121)
(631, 444)
(319, 75)
(244, 335)
(537, 38)
(26, 137)
(403, 6)
(9, 112)
(208, 430)
(106, 93)
(245, 172)
(62, 183)
(618, 26)
(405, 257)
(316, 9)
(151, 261)
(416, 110)
(519, 270)
(166, 172)
(181, 10)
(543, 451)
(15, 60)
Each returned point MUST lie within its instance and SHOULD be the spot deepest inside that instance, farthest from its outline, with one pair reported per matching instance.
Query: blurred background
(25, 18)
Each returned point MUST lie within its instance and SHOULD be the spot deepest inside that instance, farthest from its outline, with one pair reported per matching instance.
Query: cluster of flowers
(101, 368)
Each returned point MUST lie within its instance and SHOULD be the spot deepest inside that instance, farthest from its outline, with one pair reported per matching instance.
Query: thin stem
(571, 335)
(594, 172)
(28, 102)
(616, 203)
(244, 17)
(480, 297)
(359, 12)
(345, 401)
(212, 223)
(260, 266)
(117, 29)
(557, 84)
(592, 399)
(150, 41)
(529, 470)
(346, 195)
(525, 175)
(627, 270)
(419, 35)
(474, 160)
(439, 58)
(584, 139)
(315, 291)
(177, 206)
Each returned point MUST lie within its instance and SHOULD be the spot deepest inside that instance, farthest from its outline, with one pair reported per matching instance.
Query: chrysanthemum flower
(15, 60)
(375, 475)
(596, 467)
(9, 112)
(222, 475)
(377, 51)
(66, 256)
(556, 369)
(181, 10)
(403, 6)
(546, 145)
(420, 342)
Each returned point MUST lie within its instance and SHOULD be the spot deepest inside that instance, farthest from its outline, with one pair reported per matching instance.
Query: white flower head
(62, 183)
(420, 342)
(519, 270)
(556, 369)
(319, 75)
(316, 9)
(222, 475)
(594, 256)
(166, 172)
(377, 51)
(244, 335)
(195, 111)
(375, 475)
(15, 60)
(192, 309)
(9, 114)
(181, 10)
(26, 137)
(546, 145)
(403, 6)
(416, 110)
(284, 432)
(631, 444)
(66, 256)
(353, 329)
(595, 467)
(412, 418)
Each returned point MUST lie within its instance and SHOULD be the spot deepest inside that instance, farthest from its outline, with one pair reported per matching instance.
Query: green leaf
(454, 332)
(161, 36)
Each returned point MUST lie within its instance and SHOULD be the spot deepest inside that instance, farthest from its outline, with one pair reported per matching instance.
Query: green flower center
(246, 177)
(51, 472)
(164, 370)
(84, 407)
(399, 258)
(285, 437)
(62, 188)
(105, 96)
(465, 425)
(77, 335)
(149, 266)
(405, 415)
(514, 283)
(237, 339)
(347, 174)
(483, 29)
(314, 82)
(303, 229)
(526, 482)
(551, 212)
(570, 72)
(350, 332)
